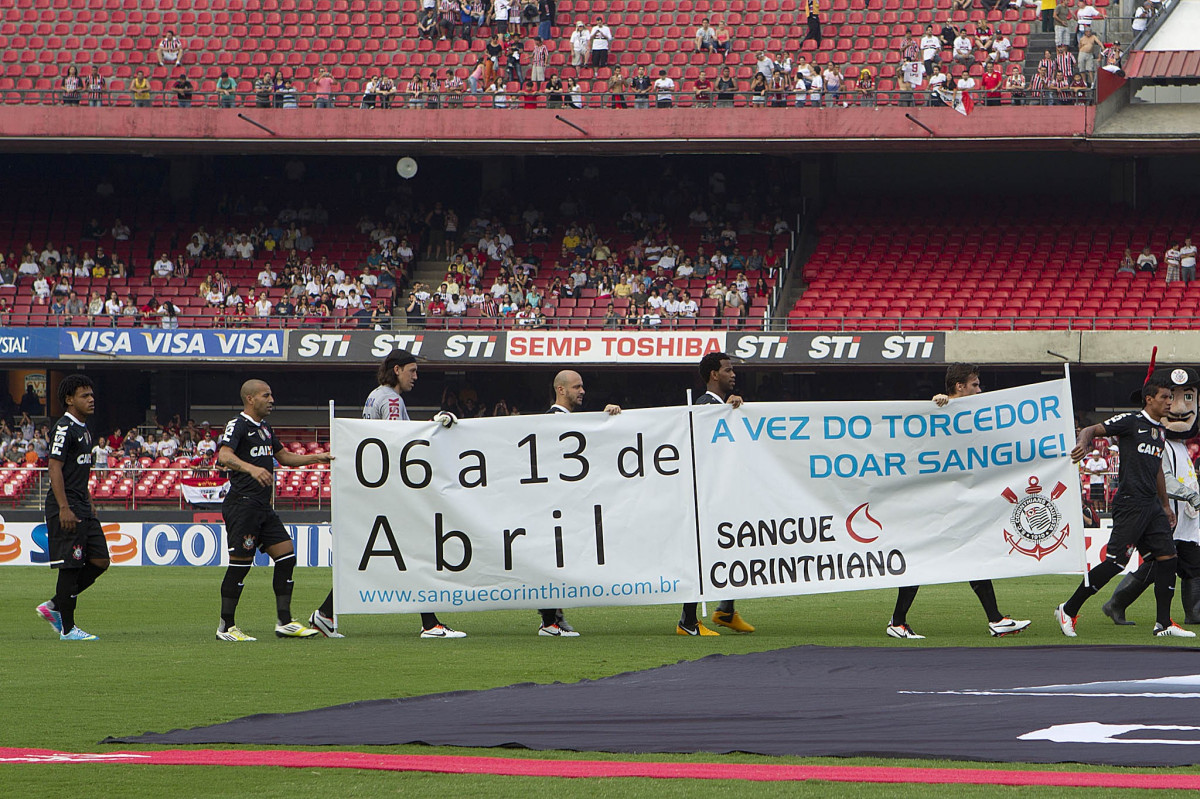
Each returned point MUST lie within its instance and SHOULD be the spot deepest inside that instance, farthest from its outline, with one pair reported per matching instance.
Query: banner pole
(703, 605)
(331, 530)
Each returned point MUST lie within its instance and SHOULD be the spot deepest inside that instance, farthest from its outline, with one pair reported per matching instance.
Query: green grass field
(157, 667)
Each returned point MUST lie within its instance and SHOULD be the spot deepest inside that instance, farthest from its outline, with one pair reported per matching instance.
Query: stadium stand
(359, 38)
(1039, 267)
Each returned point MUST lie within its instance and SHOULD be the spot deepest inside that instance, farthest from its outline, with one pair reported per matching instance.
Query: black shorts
(250, 526)
(1097, 492)
(1142, 527)
(1188, 564)
(72, 550)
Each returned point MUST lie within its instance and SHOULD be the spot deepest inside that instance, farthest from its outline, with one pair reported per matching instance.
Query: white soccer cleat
(52, 616)
(557, 631)
(77, 634)
(1065, 623)
(902, 631)
(442, 631)
(233, 634)
(1173, 630)
(324, 625)
(294, 629)
(1007, 626)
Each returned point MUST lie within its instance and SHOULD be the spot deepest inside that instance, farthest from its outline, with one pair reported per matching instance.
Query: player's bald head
(252, 387)
(566, 378)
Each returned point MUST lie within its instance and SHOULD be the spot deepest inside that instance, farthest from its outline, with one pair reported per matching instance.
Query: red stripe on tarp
(1164, 64)
(524, 767)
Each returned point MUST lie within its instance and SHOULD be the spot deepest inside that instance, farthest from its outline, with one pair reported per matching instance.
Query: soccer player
(77, 547)
(716, 370)
(962, 380)
(568, 398)
(396, 376)
(1141, 512)
(248, 448)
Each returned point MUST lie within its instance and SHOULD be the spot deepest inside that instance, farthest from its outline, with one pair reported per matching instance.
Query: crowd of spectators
(1179, 257)
(516, 54)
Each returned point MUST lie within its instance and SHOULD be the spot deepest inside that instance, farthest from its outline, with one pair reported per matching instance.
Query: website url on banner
(524, 593)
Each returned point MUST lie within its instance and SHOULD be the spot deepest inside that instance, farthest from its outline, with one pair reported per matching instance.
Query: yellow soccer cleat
(700, 630)
(233, 634)
(733, 621)
(294, 629)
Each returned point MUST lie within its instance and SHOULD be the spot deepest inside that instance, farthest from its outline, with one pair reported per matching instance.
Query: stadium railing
(517, 99)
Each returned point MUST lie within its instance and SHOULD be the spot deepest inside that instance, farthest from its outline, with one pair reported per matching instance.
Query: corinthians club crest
(1035, 521)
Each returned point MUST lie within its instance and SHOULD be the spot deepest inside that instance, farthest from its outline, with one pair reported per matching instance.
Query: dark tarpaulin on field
(1087, 704)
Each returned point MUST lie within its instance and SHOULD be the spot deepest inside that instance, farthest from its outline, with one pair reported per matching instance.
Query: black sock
(429, 621)
(231, 592)
(1164, 589)
(904, 600)
(688, 619)
(726, 606)
(987, 597)
(64, 598)
(326, 608)
(281, 581)
(1096, 579)
(549, 616)
(88, 575)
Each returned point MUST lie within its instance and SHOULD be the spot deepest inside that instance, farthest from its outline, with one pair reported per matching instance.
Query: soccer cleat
(1173, 630)
(699, 629)
(563, 625)
(733, 621)
(903, 631)
(324, 625)
(1066, 623)
(557, 631)
(77, 634)
(1007, 626)
(442, 631)
(294, 629)
(52, 616)
(233, 634)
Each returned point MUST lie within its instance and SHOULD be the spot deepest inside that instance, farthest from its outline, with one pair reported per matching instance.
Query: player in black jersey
(248, 448)
(1142, 515)
(77, 546)
(716, 370)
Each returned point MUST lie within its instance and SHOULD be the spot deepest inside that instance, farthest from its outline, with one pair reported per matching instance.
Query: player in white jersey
(397, 375)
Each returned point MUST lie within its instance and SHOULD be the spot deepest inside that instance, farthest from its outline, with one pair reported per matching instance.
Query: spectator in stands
(812, 15)
(164, 266)
(724, 39)
(703, 90)
(832, 77)
(616, 88)
(580, 44)
(1085, 15)
(95, 85)
(1014, 84)
(1187, 260)
(547, 11)
(449, 14)
(1127, 264)
(1090, 47)
(183, 91)
(49, 258)
(937, 81)
(1064, 64)
(865, 87)
(75, 307)
(992, 81)
(263, 306)
(1112, 58)
(226, 90)
(601, 42)
(264, 88)
(71, 86)
(1142, 16)
(168, 315)
(931, 49)
(170, 50)
(139, 87)
(664, 90)
(540, 57)
(706, 37)
(726, 86)
(1147, 261)
(501, 9)
(963, 50)
(1046, 8)
(641, 88)
(1001, 48)
(41, 289)
(758, 90)
(427, 25)
(287, 94)
(1063, 24)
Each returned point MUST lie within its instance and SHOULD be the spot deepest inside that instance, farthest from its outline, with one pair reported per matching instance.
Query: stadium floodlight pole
(333, 569)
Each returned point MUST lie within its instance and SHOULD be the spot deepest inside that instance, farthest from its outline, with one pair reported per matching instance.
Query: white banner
(676, 504)
(203, 490)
